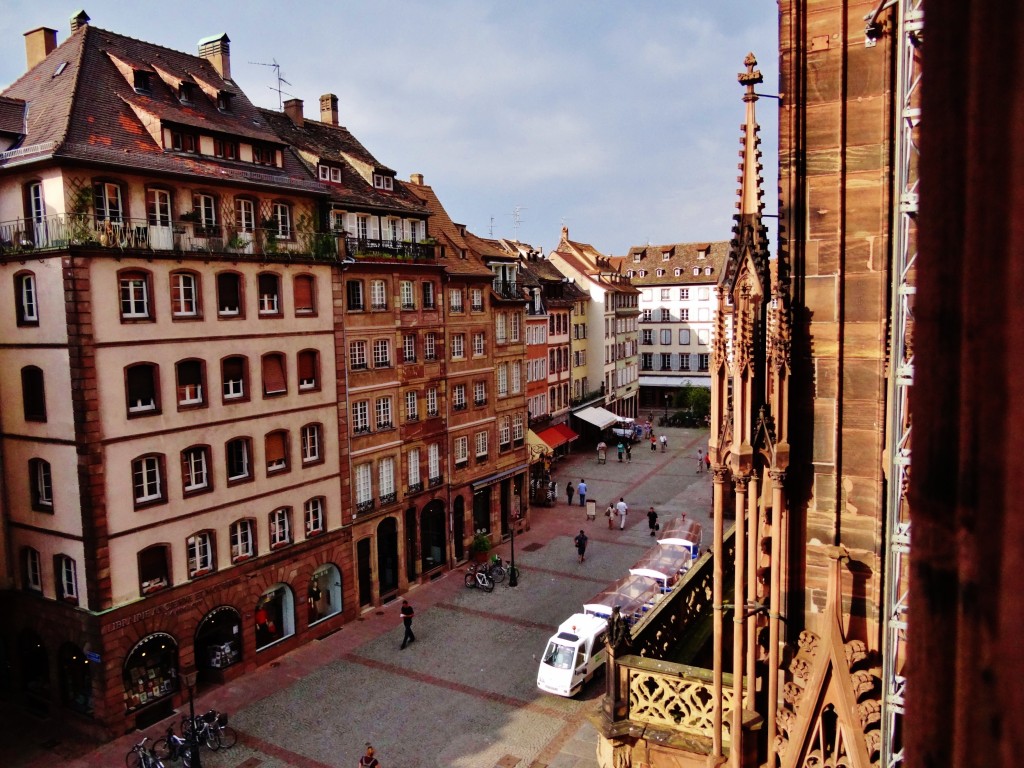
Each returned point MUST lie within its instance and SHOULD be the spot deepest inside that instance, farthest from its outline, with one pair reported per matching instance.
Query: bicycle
(226, 735)
(173, 747)
(206, 734)
(141, 757)
(477, 577)
(496, 570)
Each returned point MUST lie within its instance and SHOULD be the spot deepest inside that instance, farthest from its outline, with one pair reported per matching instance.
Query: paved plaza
(464, 694)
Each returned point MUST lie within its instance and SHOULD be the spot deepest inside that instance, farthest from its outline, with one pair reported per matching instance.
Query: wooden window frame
(250, 473)
(134, 411)
(23, 316)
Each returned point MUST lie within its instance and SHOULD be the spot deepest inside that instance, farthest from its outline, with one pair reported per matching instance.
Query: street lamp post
(513, 580)
(189, 678)
(667, 398)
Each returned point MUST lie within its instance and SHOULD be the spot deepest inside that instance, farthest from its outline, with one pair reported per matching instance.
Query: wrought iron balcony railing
(364, 506)
(508, 289)
(388, 498)
(365, 248)
(414, 488)
(433, 482)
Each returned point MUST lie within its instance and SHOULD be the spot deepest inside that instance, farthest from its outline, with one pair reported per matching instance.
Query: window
(282, 216)
(309, 370)
(703, 362)
(411, 407)
(237, 454)
(245, 215)
(183, 142)
(516, 322)
(458, 346)
(141, 389)
(517, 428)
(360, 417)
(184, 294)
(40, 485)
(666, 361)
(154, 570)
(381, 353)
(430, 346)
(269, 294)
(33, 571)
(461, 451)
(500, 328)
(25, 304)
(378, 294)
(478, 343)
(647, 336)
(313, 516)
(434, 463)
(354, 296)
(195, 475)
(516, 376)
(147, 479)
(504, 433)
(243, 540)
(666, 336)
(502, 379)
(274, 380)
(67, 578)
(381, 181)
(432, 402)
(386, 478)
(107, 202)
(263, 154)
(684, 315)
(190, 375)
(200, 554)
(206, 207)
(134, 295)
(455, 300)
(234, 373)
(383, 413)
(223, 148)
(304, 294)
(413, 464)
(229, 295)
(477, 299)
(407, 294)
(429, 301)
(703, 294)
(479, 393)
(311, 438)
(409, 348)
(703, 337)
(684, 362)
(35, 208)
(647, 361)
(480, 441)
(280, 527)
(364, 488)
(459, 397)
(665, 296)
(276, 449)
(33, 393)
(357, 355)
(684, 294)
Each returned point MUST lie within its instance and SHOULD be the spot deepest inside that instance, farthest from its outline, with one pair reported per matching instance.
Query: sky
(618, 120)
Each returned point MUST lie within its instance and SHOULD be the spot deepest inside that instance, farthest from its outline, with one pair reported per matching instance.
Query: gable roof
(89, 110)
(585, 259)
(449, 234)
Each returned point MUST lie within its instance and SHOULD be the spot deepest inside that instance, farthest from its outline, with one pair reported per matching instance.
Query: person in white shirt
(622, 509)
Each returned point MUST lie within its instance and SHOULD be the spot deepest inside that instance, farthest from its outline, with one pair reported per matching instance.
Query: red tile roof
(450, 234)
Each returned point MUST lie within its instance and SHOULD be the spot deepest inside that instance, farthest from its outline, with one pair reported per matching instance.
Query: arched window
(275, 380)
(309, 370)
(40, 485)
(269, 294)
(148, 480)
(230, 297)
(185, 295)
(201, 550)
(26, 303)
(324, 597)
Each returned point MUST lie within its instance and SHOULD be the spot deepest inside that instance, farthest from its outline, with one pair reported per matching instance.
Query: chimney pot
(417, 179)
(217, 51)
(39, 43)
(329, 109)
(79, 20)
(293, 108)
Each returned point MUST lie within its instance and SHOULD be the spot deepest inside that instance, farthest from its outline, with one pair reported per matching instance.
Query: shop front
(433, 537)
(74, 674)
(150, 676)
(218, 643)
(274, 616)
(324, 598)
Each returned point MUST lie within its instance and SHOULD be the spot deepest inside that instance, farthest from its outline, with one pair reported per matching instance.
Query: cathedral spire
(750, 189)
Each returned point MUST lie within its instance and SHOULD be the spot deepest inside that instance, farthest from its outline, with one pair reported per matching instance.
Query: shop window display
(324, 597)
(150, 671)
(219, 639)
(275, 615)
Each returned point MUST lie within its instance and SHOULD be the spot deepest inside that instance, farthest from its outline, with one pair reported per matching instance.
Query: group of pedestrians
(580, 489)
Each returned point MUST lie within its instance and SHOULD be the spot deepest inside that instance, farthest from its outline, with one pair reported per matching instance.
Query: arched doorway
(275, 616)
(433, 534)
(365, 570)
(459, 527)
(324, 598)
(482, 510)
(75, 678)
(410, 544)
(35, 672)
(150, 672)
(387, 558)
(218, 643)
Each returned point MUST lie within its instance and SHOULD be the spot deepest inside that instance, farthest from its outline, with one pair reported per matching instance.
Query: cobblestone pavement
(464, 694)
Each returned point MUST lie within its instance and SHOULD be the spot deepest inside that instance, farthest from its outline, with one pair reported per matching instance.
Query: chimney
(38, 44)
(417, 179)
(79, 20)
(329, 109)
(293, 108)
(217, 51)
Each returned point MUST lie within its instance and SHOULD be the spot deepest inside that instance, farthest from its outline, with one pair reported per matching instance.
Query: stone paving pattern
(464, 694)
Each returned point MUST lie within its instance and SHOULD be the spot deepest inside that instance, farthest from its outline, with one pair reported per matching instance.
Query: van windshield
(559, 656)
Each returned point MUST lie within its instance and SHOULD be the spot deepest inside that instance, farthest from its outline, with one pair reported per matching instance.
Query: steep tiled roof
(317, 141)
(681, 256)
(92, 112)
(449, 234)
(587, 260)
(12, 116)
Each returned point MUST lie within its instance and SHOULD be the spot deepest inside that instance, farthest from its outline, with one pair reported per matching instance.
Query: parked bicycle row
(485, 575)
(210, 730)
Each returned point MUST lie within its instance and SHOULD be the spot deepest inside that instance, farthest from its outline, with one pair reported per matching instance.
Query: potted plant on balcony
(192, 216)
(237, 243)
(269, 226)
(479, 547)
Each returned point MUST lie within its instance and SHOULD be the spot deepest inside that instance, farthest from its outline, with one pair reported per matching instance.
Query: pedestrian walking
(629, 454)
(654, 442)
(581, 489)
(407, 614)
(700, 461)
(368, 760)
(652, 520)
(707, 461)
(664, 442)
(610, 514)
(568, 492)
(620, 448)
(622, 510)
(581, 545)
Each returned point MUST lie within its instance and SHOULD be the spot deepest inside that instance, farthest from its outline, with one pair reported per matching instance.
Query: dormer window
(327, 173)
(263, 154)
(629, 274)
(185, 92)
(224, 101)
(642, 273)
(661, 273)
(696, 270)
(636, 258)
(666, 256)
(707, 270)
(141, 81)
(183, 142)
(380, 181)
(678, 272)
(225, 149)
(702, 253)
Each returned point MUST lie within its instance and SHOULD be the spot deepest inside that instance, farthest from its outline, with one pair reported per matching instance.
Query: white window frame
(135, 297)
(412, 412)
(480, 440)
(459, 395)
(245, 456)
(461, 450)
(33, 570)
(413, 467)
(280, 528)
(455, 300)
(243, 540)
(282, 215)
(407, 294)
(502, 379)
(386, 476)
(42, 483)
(195, 469)
(434, 461)
(409, 348)
(476, 303)
(378, 295)
(381, 353)
(199, 549)
(382, 410)
(357, 355)
(313, 515)
(430, 346)
(517, 377)
(479, 393)
(504, 432)
(146, 475)
(458, 346)
(517, 427)
(311, 439)
(68, 572)
(185, 296)
(479, 345)
(501, 328)
(516, 324)
(27, 296)
(360, 416)
(364, 483)
(432, 402)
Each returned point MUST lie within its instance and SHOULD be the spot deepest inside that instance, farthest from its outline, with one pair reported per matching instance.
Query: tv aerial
(280, 81)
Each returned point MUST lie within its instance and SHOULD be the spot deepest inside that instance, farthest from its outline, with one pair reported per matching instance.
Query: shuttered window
(308, 370)
(303, 290)
(276, 447)
(274, 380)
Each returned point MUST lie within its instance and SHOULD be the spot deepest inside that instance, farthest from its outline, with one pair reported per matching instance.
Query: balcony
(433, 482)
(459, 406)
(364, 506)
(414, 488)
(363, 429)
(69, 230)
(365, 249)
(508, 289)
(388, 498)
(480, 401)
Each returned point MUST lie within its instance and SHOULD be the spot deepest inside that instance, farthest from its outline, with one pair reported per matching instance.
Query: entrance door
(410, 544)
(365, 573)
(482, 510)
(433, 536)
(459, 527)
(387, 558)
(506, 500)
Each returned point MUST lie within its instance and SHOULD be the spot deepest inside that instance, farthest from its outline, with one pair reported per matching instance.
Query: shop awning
(557, 435)
(601, 418)
(537, 445)
(675, 381)
(498, 477)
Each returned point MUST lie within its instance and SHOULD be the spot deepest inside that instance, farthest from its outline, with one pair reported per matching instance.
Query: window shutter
(275, 447)
(303, 288)
(374, 229)
(274, 381)
(307, 365)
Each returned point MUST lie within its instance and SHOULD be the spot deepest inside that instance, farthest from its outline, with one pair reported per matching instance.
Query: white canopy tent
(601, 418)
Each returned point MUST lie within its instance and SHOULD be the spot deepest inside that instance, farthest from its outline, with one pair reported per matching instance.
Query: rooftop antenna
(517, 219)
(491, 230)
(280, 80)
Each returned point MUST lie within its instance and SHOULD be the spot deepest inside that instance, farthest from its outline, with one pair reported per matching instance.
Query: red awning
(557, 435)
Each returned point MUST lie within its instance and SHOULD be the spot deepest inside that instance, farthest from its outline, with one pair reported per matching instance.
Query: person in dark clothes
(568, 492)
(407, 615)
(581, 545)
(368, 760)
(652, 520)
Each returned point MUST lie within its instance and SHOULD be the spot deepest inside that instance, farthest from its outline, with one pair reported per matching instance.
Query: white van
(573, 654)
